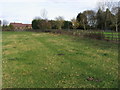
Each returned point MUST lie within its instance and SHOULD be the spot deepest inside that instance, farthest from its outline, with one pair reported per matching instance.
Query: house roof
(20, 25)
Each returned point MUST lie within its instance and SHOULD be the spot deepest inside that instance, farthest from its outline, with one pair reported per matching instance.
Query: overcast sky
(25, 11)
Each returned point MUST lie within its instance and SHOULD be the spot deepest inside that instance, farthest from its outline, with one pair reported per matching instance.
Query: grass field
(43, 60)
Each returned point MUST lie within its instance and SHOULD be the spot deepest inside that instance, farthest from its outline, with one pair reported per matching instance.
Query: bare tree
(101, 5)
(5, 22)
(113, 7)
(44, 13)
(37, 17)
(60, 21)
(114, 10)
(109, 4)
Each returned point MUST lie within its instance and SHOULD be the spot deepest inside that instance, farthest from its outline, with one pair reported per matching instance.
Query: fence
(112, 36)
(108, 35)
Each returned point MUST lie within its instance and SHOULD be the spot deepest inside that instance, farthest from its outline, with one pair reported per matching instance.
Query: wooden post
(112, 36)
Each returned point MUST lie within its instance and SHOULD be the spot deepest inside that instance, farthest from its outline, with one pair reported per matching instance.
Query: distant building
(20, 26)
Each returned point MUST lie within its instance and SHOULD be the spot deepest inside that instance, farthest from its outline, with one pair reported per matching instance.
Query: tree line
(102, 19)
(59, 23)
(106, 17)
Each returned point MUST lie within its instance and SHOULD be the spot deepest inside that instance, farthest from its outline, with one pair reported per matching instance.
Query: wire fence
(107, 35)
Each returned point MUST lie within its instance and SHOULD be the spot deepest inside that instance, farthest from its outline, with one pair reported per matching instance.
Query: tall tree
(115, 21)
(100, 19)
(108, 19)
(114, 8)
(118, 19)
(82, 19)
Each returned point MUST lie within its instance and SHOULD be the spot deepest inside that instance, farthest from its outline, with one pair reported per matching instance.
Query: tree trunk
(105, 26)
(116, 25)
(84, 25)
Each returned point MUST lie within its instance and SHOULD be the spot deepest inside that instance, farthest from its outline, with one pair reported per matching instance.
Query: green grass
(43, 60)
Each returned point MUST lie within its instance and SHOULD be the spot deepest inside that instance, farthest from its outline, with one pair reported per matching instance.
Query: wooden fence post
(112, 36)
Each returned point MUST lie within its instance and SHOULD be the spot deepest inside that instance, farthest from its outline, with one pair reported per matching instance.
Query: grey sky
(25, 10)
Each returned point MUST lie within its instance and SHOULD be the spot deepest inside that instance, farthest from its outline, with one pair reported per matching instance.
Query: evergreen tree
(100, 19)
(108, 19)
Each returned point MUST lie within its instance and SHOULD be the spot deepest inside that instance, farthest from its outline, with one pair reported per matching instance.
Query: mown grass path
(43, 60)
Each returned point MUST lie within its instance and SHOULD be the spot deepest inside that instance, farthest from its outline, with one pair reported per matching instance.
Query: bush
(98, 36)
